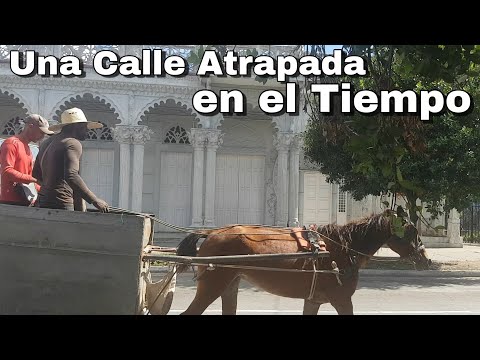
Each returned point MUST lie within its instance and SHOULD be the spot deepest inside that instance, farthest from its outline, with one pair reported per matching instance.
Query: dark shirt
(58, 172)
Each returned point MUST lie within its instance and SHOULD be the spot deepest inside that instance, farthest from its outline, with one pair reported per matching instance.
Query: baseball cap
(39, 121)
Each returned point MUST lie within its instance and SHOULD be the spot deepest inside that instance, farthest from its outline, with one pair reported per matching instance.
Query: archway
(167, 173)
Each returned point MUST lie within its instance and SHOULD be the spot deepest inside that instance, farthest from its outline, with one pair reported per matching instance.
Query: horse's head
(407, 244)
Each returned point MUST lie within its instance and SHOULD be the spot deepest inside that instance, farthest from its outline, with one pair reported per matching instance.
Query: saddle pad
(301, 236)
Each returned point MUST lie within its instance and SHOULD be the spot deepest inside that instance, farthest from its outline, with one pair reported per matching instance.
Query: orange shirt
(16, 164)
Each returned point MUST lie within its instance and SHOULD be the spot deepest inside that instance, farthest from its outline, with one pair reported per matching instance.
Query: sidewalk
(467, 253)
(455, 260)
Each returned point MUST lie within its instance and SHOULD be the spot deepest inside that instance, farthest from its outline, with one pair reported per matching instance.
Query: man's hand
(101, 205)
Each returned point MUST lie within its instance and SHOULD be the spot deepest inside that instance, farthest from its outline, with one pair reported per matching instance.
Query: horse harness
(311, 241)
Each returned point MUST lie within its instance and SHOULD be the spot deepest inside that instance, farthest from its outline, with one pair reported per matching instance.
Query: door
(175, 188)
(316, 199)
(239, 189)
(97, 166)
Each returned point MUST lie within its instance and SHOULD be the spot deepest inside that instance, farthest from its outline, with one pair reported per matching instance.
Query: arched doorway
(243, 169)
(167, 175)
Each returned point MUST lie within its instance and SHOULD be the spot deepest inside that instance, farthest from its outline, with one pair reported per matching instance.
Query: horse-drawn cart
(62, 262)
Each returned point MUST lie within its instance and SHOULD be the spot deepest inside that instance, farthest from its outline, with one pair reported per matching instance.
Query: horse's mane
(357, 231)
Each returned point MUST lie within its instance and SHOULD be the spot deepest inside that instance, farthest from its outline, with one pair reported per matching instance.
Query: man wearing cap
(58, 163)
(16, 160)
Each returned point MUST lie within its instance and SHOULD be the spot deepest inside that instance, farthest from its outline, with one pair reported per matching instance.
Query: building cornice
(116, 86)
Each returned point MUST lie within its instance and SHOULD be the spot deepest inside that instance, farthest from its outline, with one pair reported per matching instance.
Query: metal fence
(470, 223)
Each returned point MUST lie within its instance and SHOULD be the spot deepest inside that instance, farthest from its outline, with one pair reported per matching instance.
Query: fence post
(471, 223)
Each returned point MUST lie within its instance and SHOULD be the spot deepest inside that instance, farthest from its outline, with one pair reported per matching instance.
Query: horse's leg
(229, 298)
(211, 285)
(310, 307)
(343, 306)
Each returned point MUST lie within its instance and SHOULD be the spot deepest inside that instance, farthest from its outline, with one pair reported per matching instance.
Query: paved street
(396, 294)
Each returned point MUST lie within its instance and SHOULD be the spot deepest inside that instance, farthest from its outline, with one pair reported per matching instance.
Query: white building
(155, 154)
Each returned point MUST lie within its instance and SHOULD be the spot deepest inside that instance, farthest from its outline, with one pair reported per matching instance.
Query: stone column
(453, 229)
(214, 140)
(294, 179)
(141, 134)
(123, 135)
(198, 137)
(282, 143)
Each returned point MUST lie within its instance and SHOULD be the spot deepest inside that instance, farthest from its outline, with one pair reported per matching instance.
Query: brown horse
(350, 246)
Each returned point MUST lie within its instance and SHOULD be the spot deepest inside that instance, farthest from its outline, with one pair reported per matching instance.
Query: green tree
(436, 162)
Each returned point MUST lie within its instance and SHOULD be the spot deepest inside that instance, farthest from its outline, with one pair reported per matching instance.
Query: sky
(330, 48)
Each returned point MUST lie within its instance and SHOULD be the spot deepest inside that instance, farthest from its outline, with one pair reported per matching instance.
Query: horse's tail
(188, 247)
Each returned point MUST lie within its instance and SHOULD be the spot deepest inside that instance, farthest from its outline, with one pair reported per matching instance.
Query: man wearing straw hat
(58, 163)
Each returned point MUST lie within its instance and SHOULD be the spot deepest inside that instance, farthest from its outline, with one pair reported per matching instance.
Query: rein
(190, 230)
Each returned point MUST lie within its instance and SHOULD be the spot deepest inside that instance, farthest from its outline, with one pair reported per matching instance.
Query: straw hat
(75, 116)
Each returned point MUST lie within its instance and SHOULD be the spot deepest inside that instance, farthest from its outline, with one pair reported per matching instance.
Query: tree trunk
(411, 206)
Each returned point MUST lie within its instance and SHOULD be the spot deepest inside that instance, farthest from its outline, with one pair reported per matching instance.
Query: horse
(350, 246)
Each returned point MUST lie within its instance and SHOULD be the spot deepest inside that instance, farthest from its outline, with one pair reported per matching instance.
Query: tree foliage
(436, 162)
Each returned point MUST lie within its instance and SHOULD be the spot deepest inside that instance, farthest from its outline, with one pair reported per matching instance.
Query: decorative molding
(183, 99)
(283, 140)
(181, 92)
(270, 185)
(106, 100)
(282, 122)
(86, 52)
(214, 138)
(297, 142)
(14, 95)
(112, 87)
(198, 137)
(141, 134)
(131, 134)
(210, 122)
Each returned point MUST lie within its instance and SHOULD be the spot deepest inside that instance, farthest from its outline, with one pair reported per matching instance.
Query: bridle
(417, 254)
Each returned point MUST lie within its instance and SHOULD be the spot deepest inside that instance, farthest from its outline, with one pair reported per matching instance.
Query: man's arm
(7, 159)
(37, 171)
(72, 166)
(78, 203)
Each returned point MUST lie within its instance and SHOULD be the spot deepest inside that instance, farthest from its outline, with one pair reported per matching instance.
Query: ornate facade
(155, 154)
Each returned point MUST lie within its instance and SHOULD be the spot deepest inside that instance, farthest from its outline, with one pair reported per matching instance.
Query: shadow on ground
(370, 281)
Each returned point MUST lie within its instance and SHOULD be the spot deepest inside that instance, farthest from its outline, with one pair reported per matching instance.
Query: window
(177, 135)
(13, 127)
(104, 134)
(342, 200)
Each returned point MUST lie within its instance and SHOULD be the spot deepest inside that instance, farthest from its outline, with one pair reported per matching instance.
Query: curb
(471, 244)
(373, 272)
(420, 273)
